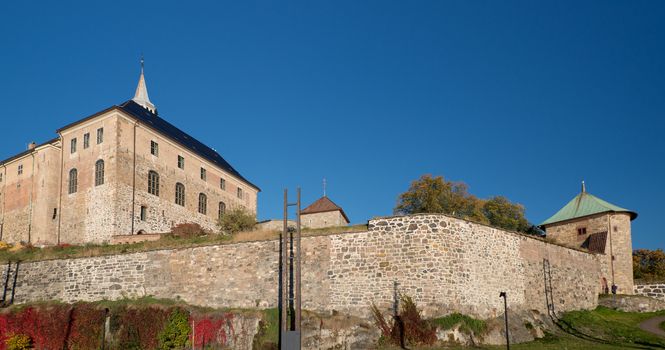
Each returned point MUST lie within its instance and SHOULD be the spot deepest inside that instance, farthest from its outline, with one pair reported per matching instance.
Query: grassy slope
(662, 326)
(602, 328)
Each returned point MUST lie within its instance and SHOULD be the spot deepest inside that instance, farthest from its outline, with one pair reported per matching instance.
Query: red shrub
(212, 329)
(138, 327)
(187, 230)
(87, 324)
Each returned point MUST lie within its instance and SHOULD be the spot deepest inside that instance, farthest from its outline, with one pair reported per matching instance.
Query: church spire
(141, 95)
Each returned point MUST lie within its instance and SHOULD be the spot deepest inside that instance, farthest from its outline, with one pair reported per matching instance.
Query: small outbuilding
(323, 213)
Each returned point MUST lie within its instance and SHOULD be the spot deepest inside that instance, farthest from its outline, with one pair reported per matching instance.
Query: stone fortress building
(602, 228)
(120, 171)
(323, 213)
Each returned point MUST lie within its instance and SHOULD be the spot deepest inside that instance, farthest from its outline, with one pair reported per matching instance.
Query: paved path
(652, 325)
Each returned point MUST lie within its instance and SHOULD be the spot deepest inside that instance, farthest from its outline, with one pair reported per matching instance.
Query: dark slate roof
(167, 129)
(322, 205)
(596, 242)
(2, 162)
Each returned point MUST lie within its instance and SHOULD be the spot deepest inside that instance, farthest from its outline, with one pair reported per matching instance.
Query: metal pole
(298, 299)
(505, 313)
(285, 295)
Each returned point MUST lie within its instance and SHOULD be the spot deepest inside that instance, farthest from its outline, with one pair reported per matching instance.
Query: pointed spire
(583, 187)
(141, 95)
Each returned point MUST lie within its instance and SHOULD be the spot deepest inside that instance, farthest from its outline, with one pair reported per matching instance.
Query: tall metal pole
(285, 270)
(298, 299)
(505, 316)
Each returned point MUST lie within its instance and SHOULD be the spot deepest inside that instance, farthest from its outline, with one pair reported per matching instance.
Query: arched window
(153, 183)
(203, 203)
(180, 194)
(99, 172)
(221, 210)
(73, 181)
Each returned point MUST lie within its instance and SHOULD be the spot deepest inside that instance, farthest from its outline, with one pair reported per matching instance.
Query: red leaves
(212, 330)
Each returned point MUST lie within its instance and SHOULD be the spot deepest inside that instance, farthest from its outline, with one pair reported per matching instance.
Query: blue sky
(523, 99)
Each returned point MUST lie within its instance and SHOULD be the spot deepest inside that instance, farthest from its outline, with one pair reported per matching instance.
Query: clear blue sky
(523, 99)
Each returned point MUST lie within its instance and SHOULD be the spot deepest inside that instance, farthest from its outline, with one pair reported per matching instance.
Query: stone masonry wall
(445, 264)
(651, 290)
(324, 219)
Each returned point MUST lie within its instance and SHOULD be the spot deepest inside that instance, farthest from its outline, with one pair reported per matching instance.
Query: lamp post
(505, 316)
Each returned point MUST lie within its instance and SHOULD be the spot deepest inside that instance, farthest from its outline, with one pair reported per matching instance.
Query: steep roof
(152, 120)
(322, 205)
(585, 204)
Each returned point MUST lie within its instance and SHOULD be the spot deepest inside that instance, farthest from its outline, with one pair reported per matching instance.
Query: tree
(503, 213)
(236, 220)
(431, 194)
(649, 265)
(435, 195)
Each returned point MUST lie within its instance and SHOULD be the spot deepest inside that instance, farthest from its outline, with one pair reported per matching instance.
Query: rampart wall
(445, 264)
(654, 290)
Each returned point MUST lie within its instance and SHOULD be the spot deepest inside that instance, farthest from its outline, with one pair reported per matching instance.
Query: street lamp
(505, 315)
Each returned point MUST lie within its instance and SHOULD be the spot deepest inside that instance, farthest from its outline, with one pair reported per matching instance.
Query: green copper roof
(585, 204)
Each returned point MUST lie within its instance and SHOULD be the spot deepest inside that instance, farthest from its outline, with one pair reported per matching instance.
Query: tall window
(20, 169)
(239, 192)
(203, 174)
(221, 210)
(144, 212)
(72, 146)
(181, 162)
(153, 183)
(100, 135)
(73, 181)
(86, 140)
(99, 172)
(222, 183)
(154, 148)
(203, 203)
(180, 194)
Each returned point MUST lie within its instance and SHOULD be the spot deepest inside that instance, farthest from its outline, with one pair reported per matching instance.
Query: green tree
(431, 194)
(175, 334)
(649, 265)
(236, 220)
(503, 213)
(436, 195)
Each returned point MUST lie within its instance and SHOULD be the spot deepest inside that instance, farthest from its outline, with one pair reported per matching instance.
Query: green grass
(662, 326)
(467, 324)
(268, 336)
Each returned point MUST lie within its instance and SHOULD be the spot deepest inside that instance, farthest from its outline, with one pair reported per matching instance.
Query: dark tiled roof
(152, 120)
(322, 205)
(596, 242)
(2, 162)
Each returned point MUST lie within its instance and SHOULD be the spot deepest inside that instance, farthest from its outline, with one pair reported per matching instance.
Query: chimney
(32, 146)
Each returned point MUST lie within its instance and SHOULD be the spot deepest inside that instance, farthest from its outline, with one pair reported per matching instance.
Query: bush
(4, 245)
(176, 333)
(18, 342)
(466, 324)
(187, 230)
(408, 327)
(236, 220)
(137, 328)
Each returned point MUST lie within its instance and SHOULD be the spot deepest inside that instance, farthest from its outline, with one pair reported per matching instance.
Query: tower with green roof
(603, 228)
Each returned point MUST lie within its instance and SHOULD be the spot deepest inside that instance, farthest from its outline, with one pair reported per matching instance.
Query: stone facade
(656, 290)
(617, 262)
(37, 206)
(444, 263)
(323, 219)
